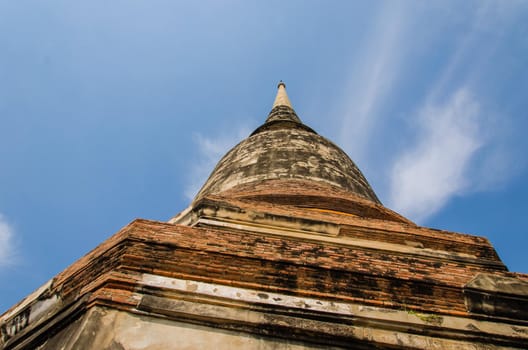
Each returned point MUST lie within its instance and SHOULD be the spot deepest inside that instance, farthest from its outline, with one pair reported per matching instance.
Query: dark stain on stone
(262, 295)
(472, 327)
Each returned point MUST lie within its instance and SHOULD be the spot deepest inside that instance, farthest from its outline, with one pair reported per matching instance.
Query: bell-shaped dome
(284, 148)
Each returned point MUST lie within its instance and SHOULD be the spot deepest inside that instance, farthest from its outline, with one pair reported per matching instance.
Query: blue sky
(114, 110)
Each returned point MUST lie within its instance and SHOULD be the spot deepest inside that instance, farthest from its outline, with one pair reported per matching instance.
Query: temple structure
(286, 246)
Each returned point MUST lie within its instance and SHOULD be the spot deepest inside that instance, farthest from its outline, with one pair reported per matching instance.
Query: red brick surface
(273, 263)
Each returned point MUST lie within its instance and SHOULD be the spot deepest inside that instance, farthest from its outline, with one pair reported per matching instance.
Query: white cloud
(461, 143)
(488, 22)
(210, 152)
(460, 148)
(426, 176)
(6, 242)
(376, 69)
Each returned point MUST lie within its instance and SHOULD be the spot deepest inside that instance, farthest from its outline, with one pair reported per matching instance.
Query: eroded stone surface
(108, 329)
(497, 295)
(287, 154)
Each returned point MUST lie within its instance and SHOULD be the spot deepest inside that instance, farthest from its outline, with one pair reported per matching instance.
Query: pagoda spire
(282, 108)
(282, 97)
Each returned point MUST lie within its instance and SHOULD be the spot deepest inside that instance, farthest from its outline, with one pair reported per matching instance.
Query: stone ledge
(497, 296)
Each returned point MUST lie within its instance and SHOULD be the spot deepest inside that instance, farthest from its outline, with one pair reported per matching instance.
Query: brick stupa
(286, 246)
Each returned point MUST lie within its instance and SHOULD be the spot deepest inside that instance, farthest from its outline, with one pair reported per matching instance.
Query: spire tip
(282, 97)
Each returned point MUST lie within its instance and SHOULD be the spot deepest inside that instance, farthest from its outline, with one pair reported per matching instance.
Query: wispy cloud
(450, 141)
(6, 242)
(460, 147)
(210, 151)
(377, 66)
(488, 24)
(428, 174)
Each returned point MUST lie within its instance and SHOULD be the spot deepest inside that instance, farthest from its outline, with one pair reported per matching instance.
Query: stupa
(286, 246)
